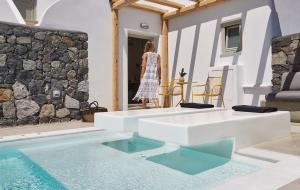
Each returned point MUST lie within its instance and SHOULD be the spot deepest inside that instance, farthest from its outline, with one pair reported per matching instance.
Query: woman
(150, 76)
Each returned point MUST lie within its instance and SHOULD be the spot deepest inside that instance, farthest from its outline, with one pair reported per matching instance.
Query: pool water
(95, 161)
(134, 144)
(19, 172)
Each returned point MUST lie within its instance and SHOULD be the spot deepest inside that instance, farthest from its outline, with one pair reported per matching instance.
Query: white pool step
(127, 121)
(193, 129)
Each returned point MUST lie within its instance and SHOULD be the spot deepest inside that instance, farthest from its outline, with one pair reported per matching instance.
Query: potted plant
(182, 74)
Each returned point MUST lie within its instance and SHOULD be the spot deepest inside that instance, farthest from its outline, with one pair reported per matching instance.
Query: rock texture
(26, 108)
(20, 90)
(35, 63)
(5, 94)
(61, 113)
(285, 57)
(47, 110)
(9, 110)
(71, 103)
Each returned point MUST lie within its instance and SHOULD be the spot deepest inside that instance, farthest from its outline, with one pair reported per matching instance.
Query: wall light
(144, 26)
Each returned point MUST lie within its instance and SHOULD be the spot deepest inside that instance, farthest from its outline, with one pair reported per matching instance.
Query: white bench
(127, 121)
(193, 129)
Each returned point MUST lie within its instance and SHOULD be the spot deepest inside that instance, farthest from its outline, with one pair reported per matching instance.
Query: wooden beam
(148, 8)
(185, 10)
(122, 3)
(115, 60)
(165, 59)
(168, 3)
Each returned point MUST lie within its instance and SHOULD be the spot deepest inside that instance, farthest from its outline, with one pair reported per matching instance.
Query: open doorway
(135, 52)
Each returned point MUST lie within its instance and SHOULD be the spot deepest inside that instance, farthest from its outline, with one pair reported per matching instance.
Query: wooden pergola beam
(165, 59)
(185, 10)
(115, 60)
(123, 3)
(168, 3)
(148, 8)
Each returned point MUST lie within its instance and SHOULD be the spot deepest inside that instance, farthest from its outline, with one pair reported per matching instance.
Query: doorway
(135, 52)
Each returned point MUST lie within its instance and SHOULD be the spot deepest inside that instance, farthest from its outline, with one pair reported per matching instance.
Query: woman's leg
(156, 103)
(144, 103)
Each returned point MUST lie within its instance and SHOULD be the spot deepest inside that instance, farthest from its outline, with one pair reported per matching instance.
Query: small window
(231, 34)
(27, 9)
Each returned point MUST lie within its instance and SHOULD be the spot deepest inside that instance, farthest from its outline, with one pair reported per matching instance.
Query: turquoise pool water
(17, 171)
(108, 161)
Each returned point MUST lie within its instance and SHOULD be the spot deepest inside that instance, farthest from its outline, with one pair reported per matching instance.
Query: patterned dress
(149, 87)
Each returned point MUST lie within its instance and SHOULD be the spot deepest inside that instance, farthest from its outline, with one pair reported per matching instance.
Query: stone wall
(43, 75)
(285, 57)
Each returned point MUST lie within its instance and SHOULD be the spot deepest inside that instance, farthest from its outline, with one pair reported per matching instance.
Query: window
(27, 9)
(231, 34)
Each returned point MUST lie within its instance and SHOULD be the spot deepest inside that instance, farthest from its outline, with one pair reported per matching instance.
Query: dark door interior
(135, 53)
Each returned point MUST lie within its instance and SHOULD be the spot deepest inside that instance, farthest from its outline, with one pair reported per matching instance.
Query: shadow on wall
(228, 11)
(296, 64)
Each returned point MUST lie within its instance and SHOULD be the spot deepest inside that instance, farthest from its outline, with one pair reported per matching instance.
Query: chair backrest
(290, 81)
(214, 85)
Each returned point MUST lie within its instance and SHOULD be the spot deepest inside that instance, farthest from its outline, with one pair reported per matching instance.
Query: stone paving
(28, 129)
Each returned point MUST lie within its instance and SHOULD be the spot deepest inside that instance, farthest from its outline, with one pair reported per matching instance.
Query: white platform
(127, 121)
(194, 129)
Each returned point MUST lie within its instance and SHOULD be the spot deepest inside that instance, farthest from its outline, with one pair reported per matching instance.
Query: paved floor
(292, 186)
(289, 145)
(42, 128)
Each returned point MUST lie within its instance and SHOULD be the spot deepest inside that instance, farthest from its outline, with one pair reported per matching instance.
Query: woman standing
(150, 76)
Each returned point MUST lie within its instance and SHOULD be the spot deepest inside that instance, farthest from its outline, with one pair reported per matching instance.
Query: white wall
(288, 13)
(195, 44)
(93, 17)
(130, 20)
(9, 12)
(42, 7)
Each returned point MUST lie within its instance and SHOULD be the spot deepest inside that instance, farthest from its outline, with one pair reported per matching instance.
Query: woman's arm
(144, 63)
(159, 67)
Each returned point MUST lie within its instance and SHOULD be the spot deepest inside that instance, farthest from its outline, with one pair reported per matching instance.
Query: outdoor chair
(171, 90)
(288, 97)
(212, 88)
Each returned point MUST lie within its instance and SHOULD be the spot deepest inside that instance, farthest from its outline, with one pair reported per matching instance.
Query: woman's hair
(148, 46)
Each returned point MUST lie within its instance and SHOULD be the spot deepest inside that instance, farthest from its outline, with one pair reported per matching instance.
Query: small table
(181, 84)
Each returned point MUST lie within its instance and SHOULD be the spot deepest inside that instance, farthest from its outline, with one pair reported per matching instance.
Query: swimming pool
(110, 161)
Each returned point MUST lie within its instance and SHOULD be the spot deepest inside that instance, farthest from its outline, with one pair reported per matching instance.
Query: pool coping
(28, 136)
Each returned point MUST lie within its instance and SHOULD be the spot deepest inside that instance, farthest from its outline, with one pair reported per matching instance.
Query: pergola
(168, 9)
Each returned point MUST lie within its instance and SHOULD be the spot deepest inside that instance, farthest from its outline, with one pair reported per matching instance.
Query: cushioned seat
(196, 105)
(292, 96)
(288, 98)
(290, 88)
(254, 109)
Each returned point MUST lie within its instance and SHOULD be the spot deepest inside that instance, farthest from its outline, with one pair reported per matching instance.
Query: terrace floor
(28, 129)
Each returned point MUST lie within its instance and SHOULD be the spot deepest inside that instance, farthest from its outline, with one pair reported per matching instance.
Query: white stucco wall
(42, 7)
(130, 20)
(195, 44)
(9, 12)
(93, 17)
(288, 13)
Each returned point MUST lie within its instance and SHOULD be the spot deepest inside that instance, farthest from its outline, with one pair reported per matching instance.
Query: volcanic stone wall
(285, 58)
(43, 75)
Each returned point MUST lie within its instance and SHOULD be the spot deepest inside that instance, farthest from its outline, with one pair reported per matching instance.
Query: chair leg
(192, 98)
(203, 99)
(223, 101)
